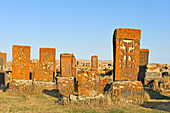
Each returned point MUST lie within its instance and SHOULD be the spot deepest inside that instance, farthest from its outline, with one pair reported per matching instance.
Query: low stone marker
(65, 85)
(88, 83)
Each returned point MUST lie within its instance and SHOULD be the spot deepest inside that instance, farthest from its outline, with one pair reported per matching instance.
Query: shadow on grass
(54, 93)
(3, 87)
(164, 106)
(156, 95)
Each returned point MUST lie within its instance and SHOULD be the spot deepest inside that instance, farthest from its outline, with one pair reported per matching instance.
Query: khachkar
(143, 62)
(143, 57)
(3, 58)
(3, 75)
(126, 49)
(66, 81)
(67, 64)
(46, 67)
(20, 67)
(21, 62)
(94, 63)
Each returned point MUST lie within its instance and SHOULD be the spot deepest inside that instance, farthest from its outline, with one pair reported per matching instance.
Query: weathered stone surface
(3, 55)
(21, 62)
(127, 91)
(66, 65)
(44, 85)
(103, 84)
(143, 62)
(29, 87)
(126, 49)
(73, 98)
(47, 55)
(153, 68)
(143, 56)
(94, 63)
(44, 72)
(88, 83)
(20, 82)
(34, 64)
(45, 69)
(74, 67)
(142, 71)
(66, 85)
(153, 75)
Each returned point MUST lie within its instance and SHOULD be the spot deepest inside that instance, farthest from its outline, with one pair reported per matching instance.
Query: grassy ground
(46, 103)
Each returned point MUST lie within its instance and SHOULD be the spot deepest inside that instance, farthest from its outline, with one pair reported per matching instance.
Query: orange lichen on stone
(44, 85)
(143, 56)
(153, 67)
(67, 65)
(46, 67)
(66, 85)
(94, 63)
(47, 55)
(44, 72)
(3, 56)
(34, 66)
(74, 67)
(144, 50)
(21, 62)
(127, 90)
(88, 83)
(103, 84)
(126, 49)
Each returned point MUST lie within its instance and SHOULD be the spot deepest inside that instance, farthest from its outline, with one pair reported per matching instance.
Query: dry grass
(46, 103)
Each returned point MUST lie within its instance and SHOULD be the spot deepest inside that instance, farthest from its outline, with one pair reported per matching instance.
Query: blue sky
(84, 27)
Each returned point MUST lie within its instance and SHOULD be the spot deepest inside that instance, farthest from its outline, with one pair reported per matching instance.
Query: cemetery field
(46, 103)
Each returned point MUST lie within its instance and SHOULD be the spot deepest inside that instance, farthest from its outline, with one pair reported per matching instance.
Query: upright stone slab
(66, 64)
(21, 62)
(143, 62)
(3, 56)
(47, 55)
(143, 56)
(46, 67)
(94, 62)
(3, 79)
(126, 49)
(74, 67)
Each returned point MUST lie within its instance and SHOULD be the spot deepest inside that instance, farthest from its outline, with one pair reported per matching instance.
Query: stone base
(126, 91)
(29, 87)
(20, 82)
(44, 85)
(20, 87)
(66, 85)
